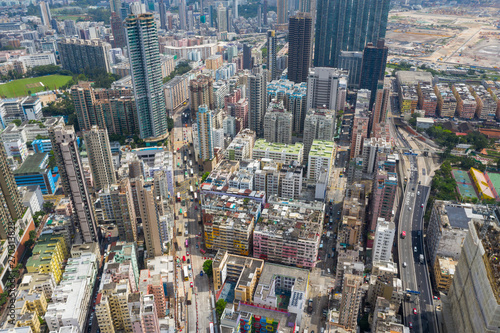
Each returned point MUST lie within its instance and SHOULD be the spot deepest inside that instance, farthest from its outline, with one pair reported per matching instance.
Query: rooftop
(271, 271)
(262, 144)
(33, 164)
(321, 148)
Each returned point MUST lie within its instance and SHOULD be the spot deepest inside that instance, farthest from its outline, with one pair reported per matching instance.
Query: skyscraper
(145, 67)
(373, 68)
(11, 207)
(73, 180)
(319, 124)
(201, 92)
(352, 62)
(221, 18)
(100, 159)
(115, 6)
(79, 54)
(247, 57)
(282, 11)
(182, 15)
(204, 121)
(271, 54)
(299, 49)
(265, 13)
(278, 124)
(45, 10)
(163, 15)
(347, 25)
(87, 112)
(323, 87)
(118, 30)
(258, 99)
(235, 8)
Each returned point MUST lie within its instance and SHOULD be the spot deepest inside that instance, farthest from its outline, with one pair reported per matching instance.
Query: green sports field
(22, 87)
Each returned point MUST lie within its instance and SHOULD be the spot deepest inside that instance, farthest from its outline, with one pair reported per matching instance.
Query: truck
(310, 305)
(421, 257)
(328, 234)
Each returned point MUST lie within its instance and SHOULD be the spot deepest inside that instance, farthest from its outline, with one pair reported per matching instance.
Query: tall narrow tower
(299, 50)
(11, 207)
(100, 159)
(73, 181)
(258, 96)
(145, 67)
(271, 54)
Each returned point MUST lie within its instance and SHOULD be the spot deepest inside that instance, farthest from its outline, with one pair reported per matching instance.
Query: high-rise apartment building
(163, 15)
(115, 6)
(473, 296)
(118, 207)
(381, 106)
(100, 159)
(201, 91)
(384, 193)
(204, 122)
(347, 25)
(247, 57)
(319, 124)
(222, 18)
(45, 10)
(271, 54)
(78, 54)
(384, 240)
(352, 61)
(323, 87)
(73, 181)
(182, 15)
(145, 67)
(360, 122)
(320, 159)
(119, 38)
(299, 49)
(11, 207)
(282, 11)
(257, 83)
(373, 67)
(278, 123)
(87, 113)
(351, 301)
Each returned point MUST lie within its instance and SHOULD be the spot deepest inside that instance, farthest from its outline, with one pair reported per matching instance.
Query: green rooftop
(43, 251)
(322, 148)
(33, 164)
(262, 144)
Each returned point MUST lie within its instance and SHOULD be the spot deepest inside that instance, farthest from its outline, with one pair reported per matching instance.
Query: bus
(178, 196)
(211, 325)
(187, 243)
(191, 172)
(189, 296)
(190, 162)
(186, 274)
(191, 189)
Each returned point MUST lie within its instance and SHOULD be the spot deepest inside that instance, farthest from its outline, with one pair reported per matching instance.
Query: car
(187, 253)
(319, 257)
(189, 261)
(415, 249)
(197, 246)
(422, 206)
(410, 324)
(415, 311)
(409, 208)
(403, 234)
(404, 264)
(190, 275)
(436, 298)
(191, 284)
(189, 267)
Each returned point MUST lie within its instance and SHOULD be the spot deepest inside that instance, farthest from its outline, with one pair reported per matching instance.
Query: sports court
(464, 184)
(495, 180)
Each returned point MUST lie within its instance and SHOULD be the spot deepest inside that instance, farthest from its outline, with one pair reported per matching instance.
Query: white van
(328, 270)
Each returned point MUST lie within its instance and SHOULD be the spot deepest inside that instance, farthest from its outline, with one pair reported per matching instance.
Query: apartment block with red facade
(427, 99)
(466, 103)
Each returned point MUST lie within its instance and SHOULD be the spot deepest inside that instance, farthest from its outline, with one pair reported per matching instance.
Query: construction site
(447, 35)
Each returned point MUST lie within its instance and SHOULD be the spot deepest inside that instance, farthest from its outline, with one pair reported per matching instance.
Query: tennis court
(464, 184)
(495, 180)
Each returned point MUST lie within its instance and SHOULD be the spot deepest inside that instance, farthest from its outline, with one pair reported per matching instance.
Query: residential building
(257, 84)
(241, 147)
(360, 122)
(271, 54)
(351, 300)
(447, 102)
(176, 92)
(323, 87)
(466, 103)
(278, 123)
(45, 10)
(320, 124)
(282, 12)
(99, 155)
(427, 99)
(289, 232)
(243, 270)
(118, 31)
(373, 150)
(278, 152)
(384, 240)
(48, 256)
(351, 61)
(35, 171)
(202, 92)
(87, 111)
(214, 62)
(486, 104)
(299, 47)
(355, 25)
(79, 54)
(204, 133)
(145, 65)
(67, 156)
(383, 196)
(474, 305)
(444, 271)
(320, 159)
(386, 317)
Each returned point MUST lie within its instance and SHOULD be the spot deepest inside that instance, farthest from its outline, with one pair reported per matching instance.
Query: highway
(418, 310)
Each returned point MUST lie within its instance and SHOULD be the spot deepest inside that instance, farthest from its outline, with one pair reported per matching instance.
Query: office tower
(11, 207)
(351, 301)
(473, 295)
(119, 39)
(87, 113)
(144, 53)
(265, 13)
(78, 54)
(299, 49)
(319, 124)
(204, 121)
(247, 57)
(323, 86)
(118, 207)
(373, 68)
(235, 8)
(221, 18)
(352, 62)
(282, 11)
(257, 83)
(163, 15)
(150, 217)
(115, 6)
(45, 10)
(100, 159)
(201, 92)
(384, 240)
(182, 15)
(278, 124)
(73, 180)
(347, 25)
(271, 54)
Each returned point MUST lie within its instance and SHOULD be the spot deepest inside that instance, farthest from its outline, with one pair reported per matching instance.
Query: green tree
(48, 207)
(219, 307)
(170, 123)
(18, 122)
(205, 176)
(207, 267)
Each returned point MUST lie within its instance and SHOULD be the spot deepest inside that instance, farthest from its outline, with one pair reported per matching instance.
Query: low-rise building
(320, 159)
(444, 270)
(48, 256)
(427, 99)
(466, 103)
(447, 102)
(35, 171)
(241, 147)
